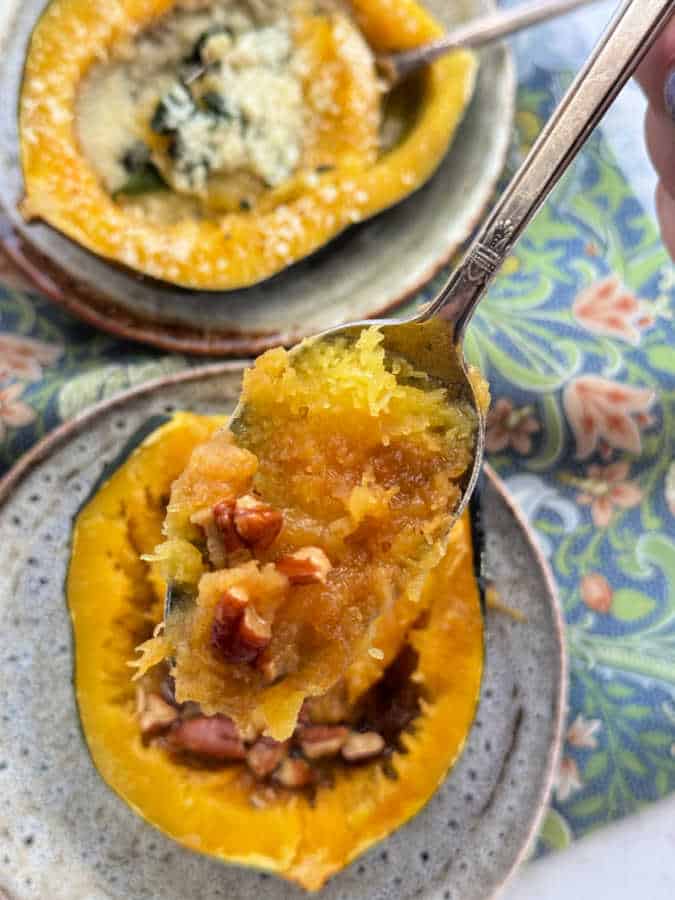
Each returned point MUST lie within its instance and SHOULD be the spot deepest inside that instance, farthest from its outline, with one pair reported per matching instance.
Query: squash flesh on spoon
(309, 529)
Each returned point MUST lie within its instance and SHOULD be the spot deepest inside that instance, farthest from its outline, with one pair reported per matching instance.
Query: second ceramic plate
(65, 835)
(366, 271)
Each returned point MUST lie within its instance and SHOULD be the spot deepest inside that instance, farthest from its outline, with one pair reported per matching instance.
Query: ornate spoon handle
(631, 32)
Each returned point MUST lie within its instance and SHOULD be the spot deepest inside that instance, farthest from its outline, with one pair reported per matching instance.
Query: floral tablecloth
(578, 342)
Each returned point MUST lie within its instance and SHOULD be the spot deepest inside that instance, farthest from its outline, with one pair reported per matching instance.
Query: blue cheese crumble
(243, 112)
(212, 91)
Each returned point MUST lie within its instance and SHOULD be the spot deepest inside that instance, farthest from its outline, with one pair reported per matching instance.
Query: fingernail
(669, 94)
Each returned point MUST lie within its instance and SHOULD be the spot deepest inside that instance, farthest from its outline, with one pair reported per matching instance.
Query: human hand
(657, 77)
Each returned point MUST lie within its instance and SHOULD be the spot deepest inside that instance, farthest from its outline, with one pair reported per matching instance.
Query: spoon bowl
(429, 344)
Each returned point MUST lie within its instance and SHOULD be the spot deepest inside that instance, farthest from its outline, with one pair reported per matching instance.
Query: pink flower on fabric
(568, 780)
(24, 358)
(598, 409)
(509, 427)
(596, 592)
(607, 488)
(13, 412)
(610, 309)
(581, 733)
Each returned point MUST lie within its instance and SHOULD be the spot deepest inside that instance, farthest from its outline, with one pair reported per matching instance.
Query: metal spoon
(432, 341)
(393, 67)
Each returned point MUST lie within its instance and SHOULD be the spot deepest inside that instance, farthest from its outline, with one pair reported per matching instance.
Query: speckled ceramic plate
(365, 271)
(64, 835)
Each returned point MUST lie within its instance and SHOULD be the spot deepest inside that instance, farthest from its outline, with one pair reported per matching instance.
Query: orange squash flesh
(358, 464)
(232, 250)
(115, 599)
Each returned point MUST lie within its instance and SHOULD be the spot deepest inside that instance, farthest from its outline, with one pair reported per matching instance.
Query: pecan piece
(223, 516)
(211, 737)
(238, 633)
(265, 755)
(216, 545)
(154, 714)
(309, 565)
(227, 614)
(319, 741)
(256, 523)
(254, 631)
(294, 773)
(361, 746)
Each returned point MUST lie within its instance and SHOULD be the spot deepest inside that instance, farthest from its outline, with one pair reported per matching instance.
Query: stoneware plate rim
(79, 424)
(187, 326)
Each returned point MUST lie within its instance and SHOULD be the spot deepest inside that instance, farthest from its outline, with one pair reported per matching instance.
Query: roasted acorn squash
(216, 250)
(115, 600)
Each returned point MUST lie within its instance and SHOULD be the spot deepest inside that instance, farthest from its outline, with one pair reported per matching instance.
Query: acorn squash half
(341, 178)
(115, 601)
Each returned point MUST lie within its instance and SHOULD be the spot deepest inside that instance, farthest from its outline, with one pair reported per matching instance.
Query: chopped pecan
(265, 755)
(294, 773)
(238, 633)
(227, 615)
(154, 714)
(254, 630)
(237, 524)
(256, 523)
(309, 565)
(361, 746)
(211, 737)
(223, 516)
(319, 741)
(215, 542)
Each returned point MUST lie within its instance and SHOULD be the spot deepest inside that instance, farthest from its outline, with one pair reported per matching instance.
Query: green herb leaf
(145, 180)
